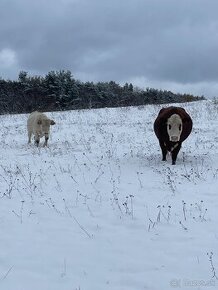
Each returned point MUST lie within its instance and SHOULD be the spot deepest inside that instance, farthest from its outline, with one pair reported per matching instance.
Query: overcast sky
(164, 44)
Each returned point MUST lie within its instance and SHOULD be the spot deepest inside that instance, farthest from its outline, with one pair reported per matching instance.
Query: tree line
(59, 90)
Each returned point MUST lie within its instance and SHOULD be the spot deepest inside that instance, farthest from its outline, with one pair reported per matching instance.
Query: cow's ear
(39, 122)
(52, 122)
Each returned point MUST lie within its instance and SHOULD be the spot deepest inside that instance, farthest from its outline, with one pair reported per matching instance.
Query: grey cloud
(166, 41)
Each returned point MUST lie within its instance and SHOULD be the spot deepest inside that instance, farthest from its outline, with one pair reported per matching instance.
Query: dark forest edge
(59, 91)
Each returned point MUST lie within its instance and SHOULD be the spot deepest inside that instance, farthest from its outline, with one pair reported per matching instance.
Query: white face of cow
(45, 127)
(174, 127)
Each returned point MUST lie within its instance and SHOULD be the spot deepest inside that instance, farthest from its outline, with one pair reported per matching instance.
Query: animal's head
(45, 126)
(174, 127)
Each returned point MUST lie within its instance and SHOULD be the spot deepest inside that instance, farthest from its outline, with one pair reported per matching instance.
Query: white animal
(38, 124)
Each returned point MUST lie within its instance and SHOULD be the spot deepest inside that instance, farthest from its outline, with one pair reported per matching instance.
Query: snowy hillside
(99, 210)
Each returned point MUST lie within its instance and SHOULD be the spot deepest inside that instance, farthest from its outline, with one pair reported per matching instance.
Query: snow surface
(99, 210)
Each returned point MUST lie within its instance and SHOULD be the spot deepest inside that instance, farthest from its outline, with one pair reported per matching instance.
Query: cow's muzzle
(174, 138)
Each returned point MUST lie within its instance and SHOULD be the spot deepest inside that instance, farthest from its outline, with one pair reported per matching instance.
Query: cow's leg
(46, 140)
(175, 152)
(164, 150)
(29, 137)
(37, 138)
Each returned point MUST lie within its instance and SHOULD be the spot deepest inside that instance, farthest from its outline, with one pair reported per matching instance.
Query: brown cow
(172, 126)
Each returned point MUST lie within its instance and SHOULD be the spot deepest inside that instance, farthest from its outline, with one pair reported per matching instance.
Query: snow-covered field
(99, 210)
